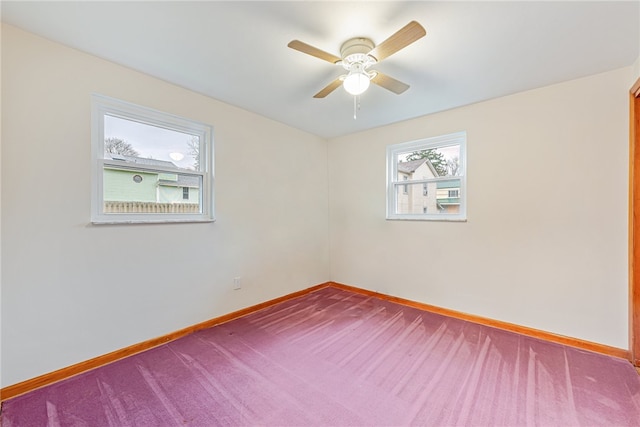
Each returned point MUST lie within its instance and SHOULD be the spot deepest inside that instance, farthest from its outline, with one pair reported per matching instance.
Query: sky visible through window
(153, 142)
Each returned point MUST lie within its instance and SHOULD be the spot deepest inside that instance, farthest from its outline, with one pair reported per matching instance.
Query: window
(149, 166)
(437, 166)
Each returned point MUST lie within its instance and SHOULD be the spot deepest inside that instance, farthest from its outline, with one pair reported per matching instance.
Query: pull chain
(356, 106)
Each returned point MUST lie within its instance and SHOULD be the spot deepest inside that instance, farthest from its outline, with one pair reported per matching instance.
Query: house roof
(412, 165)
(140, 160)
(454, 183)
(182, 181)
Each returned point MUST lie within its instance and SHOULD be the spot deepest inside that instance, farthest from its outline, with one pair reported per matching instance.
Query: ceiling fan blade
(389, 83)
(313, 51)
(401, 39)
(329, 88)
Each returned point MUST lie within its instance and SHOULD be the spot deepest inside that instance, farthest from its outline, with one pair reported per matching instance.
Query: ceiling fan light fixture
(358, 54)
(356, 82)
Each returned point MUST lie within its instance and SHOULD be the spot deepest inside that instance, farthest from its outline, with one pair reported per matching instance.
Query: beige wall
(72, 291)
(530, 253)
(545, 244)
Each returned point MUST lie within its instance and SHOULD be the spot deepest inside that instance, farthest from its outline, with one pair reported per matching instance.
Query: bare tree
(119, 146)
(194, 150)
(453, 166)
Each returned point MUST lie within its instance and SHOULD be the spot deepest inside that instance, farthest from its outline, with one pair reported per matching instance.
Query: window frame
(394, 150)
(102, 105)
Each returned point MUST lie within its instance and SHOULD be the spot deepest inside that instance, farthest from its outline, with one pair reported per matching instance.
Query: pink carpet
(335, 358)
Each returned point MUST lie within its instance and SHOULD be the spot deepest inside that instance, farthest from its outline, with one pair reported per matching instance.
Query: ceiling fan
(358, 55)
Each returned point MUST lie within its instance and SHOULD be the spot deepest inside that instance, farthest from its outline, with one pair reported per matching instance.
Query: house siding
(120, 186)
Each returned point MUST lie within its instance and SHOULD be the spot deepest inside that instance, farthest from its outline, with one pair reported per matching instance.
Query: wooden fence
(150, 207)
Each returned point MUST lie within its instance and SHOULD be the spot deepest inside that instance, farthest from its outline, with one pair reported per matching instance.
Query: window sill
(427, 219)
(151, 221)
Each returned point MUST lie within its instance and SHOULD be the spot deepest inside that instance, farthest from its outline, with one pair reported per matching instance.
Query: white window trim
(101, 105)
(458, 138)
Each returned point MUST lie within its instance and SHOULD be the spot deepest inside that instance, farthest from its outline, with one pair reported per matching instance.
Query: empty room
(293, 213)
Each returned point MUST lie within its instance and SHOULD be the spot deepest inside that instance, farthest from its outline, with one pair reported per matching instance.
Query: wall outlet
(236, 283)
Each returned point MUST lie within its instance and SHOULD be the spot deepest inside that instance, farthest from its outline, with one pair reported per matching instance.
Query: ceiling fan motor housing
(356, 51)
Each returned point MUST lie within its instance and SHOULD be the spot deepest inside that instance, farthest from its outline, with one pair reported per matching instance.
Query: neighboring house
(448, 196)
(417, 198)
(122, 185)
(173, 188)
(429, 197)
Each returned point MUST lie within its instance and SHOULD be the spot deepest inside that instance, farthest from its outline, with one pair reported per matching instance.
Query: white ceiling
(237, 51)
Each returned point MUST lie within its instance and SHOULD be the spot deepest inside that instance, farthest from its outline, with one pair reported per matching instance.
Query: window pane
(136, 191)
(426, 179)
(429, 163)
(149, 166)
(135, 142)
(435, 197)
